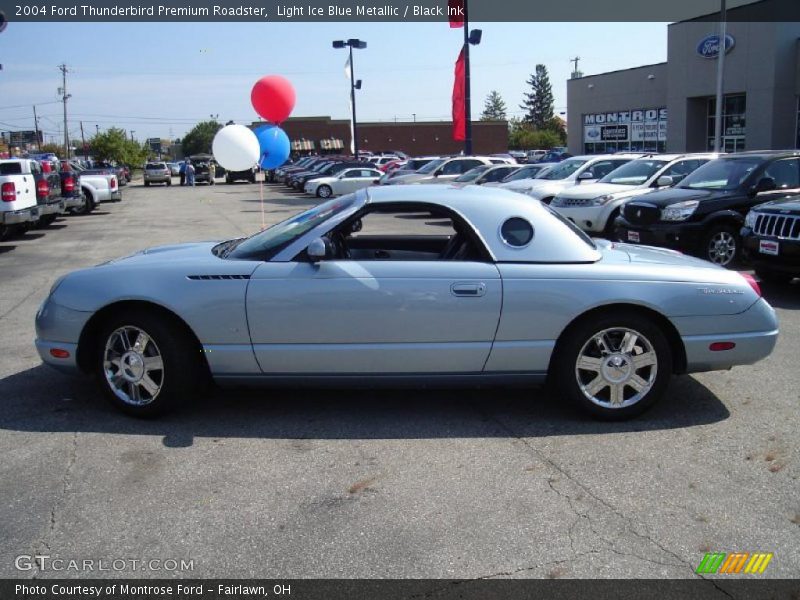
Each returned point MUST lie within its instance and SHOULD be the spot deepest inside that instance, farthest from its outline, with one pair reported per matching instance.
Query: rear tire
(776, 277)
(613, 366)
(146, 184)
(147, 364)
(169, 183)
(324, 191)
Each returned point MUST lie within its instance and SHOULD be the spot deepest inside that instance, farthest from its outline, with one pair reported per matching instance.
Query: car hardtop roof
(487, 209)
(764, 153)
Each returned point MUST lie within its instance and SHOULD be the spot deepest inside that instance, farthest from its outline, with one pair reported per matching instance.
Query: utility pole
(720, 77)
(64, 97)
(97, 129)
(83, 141)
(36, 130)
(132, 132)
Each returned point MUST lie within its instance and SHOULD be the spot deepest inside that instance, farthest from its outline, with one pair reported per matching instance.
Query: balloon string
(261, 193)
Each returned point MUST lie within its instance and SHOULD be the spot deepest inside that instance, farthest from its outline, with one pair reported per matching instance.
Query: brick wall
(415, 139)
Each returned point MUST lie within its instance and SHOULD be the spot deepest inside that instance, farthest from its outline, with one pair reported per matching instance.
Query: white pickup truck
(97, 188)
(18, 208)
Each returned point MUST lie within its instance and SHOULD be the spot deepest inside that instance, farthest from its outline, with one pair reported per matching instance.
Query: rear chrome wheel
(616, 368)
(133, 366)
(324, 191)
(614, 365)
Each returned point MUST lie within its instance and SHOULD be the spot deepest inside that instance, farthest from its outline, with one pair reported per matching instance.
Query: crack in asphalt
(66, 481)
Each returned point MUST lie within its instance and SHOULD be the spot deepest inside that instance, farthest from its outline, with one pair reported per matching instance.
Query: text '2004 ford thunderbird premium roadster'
(514, 294)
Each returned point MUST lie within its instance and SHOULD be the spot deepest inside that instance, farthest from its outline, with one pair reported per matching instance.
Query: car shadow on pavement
(42, 400)
(6, 248)
(786, 295)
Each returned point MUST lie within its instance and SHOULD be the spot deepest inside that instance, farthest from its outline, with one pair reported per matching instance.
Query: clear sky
(158, 79)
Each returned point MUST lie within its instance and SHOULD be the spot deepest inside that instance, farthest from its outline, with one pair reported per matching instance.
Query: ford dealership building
(670, 106)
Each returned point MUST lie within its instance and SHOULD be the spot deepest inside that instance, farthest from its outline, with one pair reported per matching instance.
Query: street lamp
(354, 85)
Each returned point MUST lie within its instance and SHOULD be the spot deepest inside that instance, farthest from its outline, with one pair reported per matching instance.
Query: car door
(373, 316)
(348, 181)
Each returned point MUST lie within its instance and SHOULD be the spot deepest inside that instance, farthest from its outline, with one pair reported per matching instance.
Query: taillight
(46, 168)
(69, 184)
(113, 183)
(8, 191)
(42, 189)
(753, 283)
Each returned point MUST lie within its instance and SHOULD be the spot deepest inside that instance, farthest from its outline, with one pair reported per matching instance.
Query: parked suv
(705, 212)
(771, 239)
(594, 206)
(157, 172)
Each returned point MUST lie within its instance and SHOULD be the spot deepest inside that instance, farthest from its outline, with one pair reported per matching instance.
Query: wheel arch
(87, 347)
(678, 350)
(723, 217)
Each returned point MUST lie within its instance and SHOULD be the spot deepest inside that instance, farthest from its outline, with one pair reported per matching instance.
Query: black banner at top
(278, 11)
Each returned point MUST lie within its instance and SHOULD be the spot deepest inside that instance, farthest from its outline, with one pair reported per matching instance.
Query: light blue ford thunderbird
(456, 286)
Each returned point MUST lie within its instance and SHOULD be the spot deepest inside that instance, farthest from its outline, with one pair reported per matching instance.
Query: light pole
(718, 113)
(354, 85)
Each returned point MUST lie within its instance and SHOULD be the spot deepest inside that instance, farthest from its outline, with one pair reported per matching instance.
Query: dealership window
(734, 128)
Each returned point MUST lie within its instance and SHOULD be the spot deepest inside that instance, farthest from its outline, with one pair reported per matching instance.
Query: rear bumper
(18, 217)
(158, 179)
(115, 196)
(74, 202)
(755, 339)
(53, 208)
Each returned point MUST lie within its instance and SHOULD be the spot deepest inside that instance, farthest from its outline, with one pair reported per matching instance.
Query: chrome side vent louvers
(216, 277)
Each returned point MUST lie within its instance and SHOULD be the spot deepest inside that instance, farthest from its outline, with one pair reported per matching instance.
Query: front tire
(722, 245)
(147, 364)
(324, 191)
(614, 366)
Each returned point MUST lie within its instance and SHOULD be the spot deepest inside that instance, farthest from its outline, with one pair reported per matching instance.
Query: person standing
(182, 172)
(189, 173)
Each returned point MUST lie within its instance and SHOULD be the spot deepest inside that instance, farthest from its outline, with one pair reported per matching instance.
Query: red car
(392, 166)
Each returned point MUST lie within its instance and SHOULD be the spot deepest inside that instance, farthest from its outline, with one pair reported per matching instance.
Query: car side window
(353, 173)
(682, 168)
(454, 167)
(786, 173)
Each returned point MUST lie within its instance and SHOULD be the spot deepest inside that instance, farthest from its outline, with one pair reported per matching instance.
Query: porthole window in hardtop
(516, 232)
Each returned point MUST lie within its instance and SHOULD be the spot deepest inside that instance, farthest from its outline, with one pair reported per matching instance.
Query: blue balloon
(275, 146)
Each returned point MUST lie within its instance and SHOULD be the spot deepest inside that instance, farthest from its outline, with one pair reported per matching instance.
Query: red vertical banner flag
(455, 13)
(459, 108)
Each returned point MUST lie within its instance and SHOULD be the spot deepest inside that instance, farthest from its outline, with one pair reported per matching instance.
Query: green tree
(538, 103)
(494, 109)
(114, 145)
(199, 139)
(523, 136)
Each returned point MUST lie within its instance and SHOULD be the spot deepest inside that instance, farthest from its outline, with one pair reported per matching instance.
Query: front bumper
(59, 327)
(683, 236)
(18, 217)
(65, 365)
(589, 217)
(786, 261)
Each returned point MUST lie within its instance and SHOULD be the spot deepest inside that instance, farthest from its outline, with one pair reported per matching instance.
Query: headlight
(750, 219)
(601, 200)
(679, 211)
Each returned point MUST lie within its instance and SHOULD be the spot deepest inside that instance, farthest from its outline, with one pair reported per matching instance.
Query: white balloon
(236, 148)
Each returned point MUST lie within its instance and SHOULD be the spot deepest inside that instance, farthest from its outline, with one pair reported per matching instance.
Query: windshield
(721, 174)
(155, 166)
(472, 174)
(266, 244)
(635, 172)
(565, 169)
(523, 173)
(431, 166)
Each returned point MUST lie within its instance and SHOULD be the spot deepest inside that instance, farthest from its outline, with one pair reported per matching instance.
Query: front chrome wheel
(133, 366)
(616, 368)
(722, 247)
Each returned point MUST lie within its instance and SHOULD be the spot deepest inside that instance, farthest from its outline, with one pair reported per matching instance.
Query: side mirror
(585, 175)
(437, 172)
(765, 184)
(318, 250)
(664, 181)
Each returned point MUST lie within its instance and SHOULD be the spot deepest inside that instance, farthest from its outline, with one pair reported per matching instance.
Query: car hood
(595, 190)
(787, 204)
(669, 196)
(542, 188)
(517, 185)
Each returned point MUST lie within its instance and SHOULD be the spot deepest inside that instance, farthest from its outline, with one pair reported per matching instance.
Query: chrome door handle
(468, 289)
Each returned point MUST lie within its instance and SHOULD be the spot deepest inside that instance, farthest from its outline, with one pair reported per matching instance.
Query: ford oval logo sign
(708, 47)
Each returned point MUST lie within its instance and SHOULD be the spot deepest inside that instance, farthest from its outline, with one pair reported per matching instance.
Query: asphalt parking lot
(357, 483)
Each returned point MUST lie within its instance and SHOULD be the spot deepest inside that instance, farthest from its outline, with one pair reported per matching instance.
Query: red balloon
(273, 98)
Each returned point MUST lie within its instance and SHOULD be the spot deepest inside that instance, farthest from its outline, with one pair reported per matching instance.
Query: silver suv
(157, 172)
